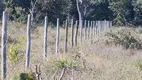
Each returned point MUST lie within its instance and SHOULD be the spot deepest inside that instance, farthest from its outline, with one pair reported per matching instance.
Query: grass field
(89, 61)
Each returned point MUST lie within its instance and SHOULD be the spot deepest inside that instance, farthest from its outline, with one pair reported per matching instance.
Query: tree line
(121, 12)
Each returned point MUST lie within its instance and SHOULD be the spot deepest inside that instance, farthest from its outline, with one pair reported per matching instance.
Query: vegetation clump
(23, 76)
(15, 48)
(139, 64)
(64, 63)
(127, 38)
(60, 67)
(13, 52)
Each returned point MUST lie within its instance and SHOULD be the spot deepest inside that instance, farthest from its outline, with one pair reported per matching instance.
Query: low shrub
(23, 76)
(64, 63)
(139, 64)
(15, 48)
(13, 52)
(127, 38)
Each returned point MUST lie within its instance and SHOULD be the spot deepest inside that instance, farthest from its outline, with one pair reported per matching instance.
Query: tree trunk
(32, 16)
(80, 10)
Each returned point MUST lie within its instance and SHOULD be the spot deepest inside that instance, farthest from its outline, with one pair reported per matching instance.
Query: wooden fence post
(45, 36)
(101, 23)
(105, 25)
(84, 29)
(95, 28)
(111, 24)
(88, 29)
(57, 37)
(81, 31)
(66, 40)
(76, 24)
(3, 46)
(28, 42)
(99, 27)
(108, 24)
(72, 32)
(91, 31)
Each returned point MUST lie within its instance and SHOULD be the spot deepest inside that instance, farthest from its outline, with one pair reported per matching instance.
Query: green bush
(64, 63)
(15, 48)
(17, 14)
(128, 38)
(22, 42)
(22, 76)
(139, 64)
(13, 52)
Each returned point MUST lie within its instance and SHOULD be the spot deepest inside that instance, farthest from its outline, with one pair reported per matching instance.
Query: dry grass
(92, 61)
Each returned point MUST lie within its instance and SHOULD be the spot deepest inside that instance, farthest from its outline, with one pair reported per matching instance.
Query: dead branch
(62, 74)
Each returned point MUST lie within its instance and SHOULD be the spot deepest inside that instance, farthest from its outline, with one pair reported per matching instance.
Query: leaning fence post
(57, 37)
(45, 36)
(72, 32)
(76, 24)
(66, 40)
(3, 46)
(28, 42)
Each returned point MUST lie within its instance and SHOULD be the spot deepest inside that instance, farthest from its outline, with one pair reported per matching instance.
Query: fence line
(89, 30)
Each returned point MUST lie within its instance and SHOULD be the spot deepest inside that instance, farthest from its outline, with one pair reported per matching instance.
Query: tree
(118, 12)
(122, 12)
(80, 9)
(1, 8)
(99, 10)
(53, 9)
(138, 12)
(32, 10)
